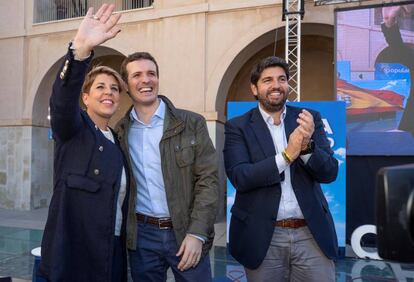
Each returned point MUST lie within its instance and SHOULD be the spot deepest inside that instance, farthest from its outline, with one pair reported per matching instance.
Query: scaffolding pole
(293, 11)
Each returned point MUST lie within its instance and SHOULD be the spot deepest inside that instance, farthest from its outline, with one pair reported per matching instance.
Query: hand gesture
(389, 15)
(306, 127)
(294, 144)
(190, 250)
(96, 29)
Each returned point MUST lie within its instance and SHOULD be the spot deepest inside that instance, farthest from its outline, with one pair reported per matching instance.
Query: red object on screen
(364, 101)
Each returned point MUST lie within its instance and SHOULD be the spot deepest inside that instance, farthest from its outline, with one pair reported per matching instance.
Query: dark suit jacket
(249, 156)
(78, 239)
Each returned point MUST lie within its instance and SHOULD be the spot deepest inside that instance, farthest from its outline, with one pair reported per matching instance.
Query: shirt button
(101, 148)
(96, 171)
(192, 142)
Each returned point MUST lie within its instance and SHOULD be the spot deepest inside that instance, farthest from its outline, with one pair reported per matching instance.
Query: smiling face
(103, 98)
(143, 82)
(271, 89)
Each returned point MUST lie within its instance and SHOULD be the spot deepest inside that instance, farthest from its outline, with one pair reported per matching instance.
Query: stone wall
(42, 168)
(26, 170)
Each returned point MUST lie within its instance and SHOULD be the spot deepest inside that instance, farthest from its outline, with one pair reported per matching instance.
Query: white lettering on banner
(356, 241)
(388, 70)
(332, 141)
(328, 128)
(329, 131)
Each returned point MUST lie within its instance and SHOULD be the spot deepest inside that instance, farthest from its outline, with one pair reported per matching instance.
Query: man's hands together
(300, 137)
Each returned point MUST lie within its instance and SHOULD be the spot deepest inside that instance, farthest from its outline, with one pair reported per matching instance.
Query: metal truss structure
(293, 11)
(331, 2)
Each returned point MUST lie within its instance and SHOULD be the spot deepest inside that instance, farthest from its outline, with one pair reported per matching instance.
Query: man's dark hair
(136, 57)
(268, 62)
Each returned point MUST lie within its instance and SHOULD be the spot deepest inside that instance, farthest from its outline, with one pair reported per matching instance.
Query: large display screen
(375, 74)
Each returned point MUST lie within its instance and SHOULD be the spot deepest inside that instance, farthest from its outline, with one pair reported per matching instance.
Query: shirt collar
(268, 118)
(160, 112)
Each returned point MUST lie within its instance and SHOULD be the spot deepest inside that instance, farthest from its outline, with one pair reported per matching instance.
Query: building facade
(205, 50)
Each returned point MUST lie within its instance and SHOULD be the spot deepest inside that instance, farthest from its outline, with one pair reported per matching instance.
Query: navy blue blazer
(78, 239)
(249, 156)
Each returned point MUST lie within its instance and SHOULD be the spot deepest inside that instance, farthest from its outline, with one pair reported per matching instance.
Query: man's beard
(272, 107)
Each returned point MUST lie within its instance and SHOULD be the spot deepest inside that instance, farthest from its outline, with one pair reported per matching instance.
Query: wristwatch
(309, 149)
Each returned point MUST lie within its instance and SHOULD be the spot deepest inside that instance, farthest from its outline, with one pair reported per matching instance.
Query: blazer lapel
(290, 121)
(262, 133)
(290, 125)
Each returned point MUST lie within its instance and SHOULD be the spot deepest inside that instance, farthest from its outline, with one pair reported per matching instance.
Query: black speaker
(395, 213)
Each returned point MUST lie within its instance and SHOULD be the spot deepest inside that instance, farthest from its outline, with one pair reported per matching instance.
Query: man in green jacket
(174, 188)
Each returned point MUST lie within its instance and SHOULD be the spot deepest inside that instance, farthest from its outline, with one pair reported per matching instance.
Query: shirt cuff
(281, 163)
(305, 158)
(201, 238)
(75, 56)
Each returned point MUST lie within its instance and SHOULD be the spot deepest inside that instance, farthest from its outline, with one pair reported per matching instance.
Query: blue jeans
(155, 253)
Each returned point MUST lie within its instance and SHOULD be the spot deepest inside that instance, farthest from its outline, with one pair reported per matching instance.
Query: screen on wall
(374, 77)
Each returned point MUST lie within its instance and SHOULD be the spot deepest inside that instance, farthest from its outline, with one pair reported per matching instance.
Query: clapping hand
(294, 144)
(96, 29)
(306, 127)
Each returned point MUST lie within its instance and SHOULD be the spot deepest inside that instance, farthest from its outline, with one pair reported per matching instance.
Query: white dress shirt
(122, 190)
(289, 206)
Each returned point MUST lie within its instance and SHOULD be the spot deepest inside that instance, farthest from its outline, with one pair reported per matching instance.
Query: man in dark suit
(276, 156)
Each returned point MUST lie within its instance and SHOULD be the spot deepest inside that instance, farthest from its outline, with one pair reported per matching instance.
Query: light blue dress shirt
(143, 141)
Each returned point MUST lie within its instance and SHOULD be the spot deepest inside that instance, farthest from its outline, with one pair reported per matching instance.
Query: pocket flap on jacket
(239, 213)
(82, 183)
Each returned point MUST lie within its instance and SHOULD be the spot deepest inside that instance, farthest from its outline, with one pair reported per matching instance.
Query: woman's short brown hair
(91, 76)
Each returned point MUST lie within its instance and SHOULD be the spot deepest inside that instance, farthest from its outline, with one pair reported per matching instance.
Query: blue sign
(343, 70)
(333, 117)
(391, 71)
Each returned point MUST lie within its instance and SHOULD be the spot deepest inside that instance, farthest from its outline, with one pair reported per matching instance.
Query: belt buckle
(161, 221)
(285, 223)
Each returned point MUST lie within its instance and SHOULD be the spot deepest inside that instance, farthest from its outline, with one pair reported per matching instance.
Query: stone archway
(41, 168)
(317, 65)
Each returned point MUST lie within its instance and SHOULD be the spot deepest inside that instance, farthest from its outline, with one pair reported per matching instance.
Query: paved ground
(20, 232)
